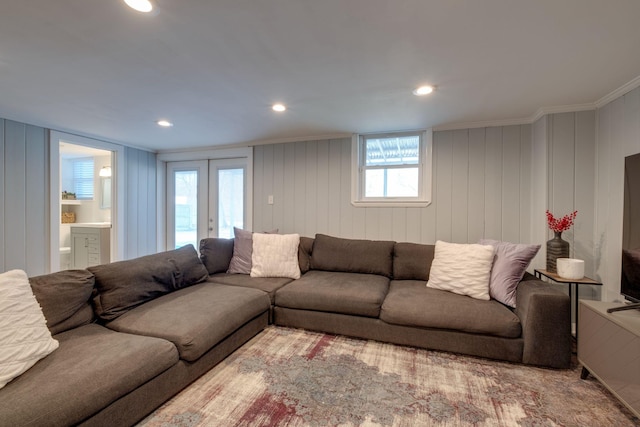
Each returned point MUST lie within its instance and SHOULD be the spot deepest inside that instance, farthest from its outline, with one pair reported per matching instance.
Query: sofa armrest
(545, 315)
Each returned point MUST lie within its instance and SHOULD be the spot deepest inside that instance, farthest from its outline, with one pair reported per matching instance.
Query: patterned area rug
(290, 377)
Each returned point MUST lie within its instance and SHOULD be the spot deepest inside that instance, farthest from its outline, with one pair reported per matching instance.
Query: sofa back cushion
(123, 285)
(351, 255)
(304, 254)
(65, 298)
(216, 254)
(412, 261)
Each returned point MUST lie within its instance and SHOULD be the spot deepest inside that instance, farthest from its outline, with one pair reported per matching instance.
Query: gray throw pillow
(509, 265)
(242, 251)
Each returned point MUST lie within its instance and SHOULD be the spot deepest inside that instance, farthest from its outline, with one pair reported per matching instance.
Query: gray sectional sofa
(134, 333)
(376, 290)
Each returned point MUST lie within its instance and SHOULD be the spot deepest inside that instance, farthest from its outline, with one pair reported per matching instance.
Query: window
(391, 169)
(83, 171)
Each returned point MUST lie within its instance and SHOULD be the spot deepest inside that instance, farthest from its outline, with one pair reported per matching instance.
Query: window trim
(425, 165)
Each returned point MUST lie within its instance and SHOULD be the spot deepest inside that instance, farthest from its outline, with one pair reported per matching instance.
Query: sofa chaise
(155, 325)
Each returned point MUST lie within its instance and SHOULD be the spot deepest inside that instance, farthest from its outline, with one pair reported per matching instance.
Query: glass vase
(556, 248)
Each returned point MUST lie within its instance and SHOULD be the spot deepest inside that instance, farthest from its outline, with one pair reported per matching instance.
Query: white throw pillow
(463, 269)
(24, 336)
(275, 255)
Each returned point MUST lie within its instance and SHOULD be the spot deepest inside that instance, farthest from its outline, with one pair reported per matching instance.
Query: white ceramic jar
(570, 268)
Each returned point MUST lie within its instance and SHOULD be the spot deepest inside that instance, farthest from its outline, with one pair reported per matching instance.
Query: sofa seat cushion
(267, 284)
(411, 303)
(196, 318)
(93, 367)
(335, 292)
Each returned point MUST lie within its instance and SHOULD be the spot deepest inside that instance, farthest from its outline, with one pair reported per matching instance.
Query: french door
(205, 198)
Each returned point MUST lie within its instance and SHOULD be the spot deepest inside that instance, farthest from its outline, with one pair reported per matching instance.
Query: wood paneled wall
(140, 203)
(571, 178)
(618, 136)
(24, 199)
(481, 188)
(564, 181)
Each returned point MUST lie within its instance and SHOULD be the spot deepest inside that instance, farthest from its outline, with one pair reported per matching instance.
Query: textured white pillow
(24, 336)
(463, 269)
(275, 255)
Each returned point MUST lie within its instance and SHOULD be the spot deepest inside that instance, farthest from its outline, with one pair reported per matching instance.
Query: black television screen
(630, 283)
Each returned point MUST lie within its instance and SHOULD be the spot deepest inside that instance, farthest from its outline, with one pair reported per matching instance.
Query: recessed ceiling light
(164, 123)
(423, 90)
(279, 107)
(140, 5)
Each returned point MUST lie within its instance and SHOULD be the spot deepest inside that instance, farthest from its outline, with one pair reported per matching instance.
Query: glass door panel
(187, 203)
(186, 208)
(230, 201)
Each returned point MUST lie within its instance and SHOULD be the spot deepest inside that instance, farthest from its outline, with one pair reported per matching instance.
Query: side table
(573, 284)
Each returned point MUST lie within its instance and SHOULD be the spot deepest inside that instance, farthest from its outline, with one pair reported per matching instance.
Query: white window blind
(83, 171)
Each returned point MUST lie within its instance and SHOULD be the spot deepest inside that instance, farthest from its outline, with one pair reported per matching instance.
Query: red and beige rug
(290, 377)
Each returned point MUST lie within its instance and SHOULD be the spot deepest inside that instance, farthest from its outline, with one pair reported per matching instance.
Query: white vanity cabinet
(90, 245)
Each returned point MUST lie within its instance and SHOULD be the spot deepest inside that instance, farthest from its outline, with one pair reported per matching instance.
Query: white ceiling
(214, 67)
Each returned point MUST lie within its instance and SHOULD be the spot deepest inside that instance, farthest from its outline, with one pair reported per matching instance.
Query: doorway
(206, 198)
(86, 197)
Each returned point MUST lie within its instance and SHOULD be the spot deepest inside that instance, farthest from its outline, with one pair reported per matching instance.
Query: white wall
(481, 188)
(618, 136)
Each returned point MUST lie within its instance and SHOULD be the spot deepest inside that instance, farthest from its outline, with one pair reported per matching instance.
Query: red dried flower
(562, 224)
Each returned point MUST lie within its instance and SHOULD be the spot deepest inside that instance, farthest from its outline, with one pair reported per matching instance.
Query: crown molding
(625, 88)
(481, 124)
(562, 109)
(298, 139)
(519, 121)
(543, 111)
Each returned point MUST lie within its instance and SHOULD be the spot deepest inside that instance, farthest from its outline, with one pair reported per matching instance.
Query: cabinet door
(79, 253)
